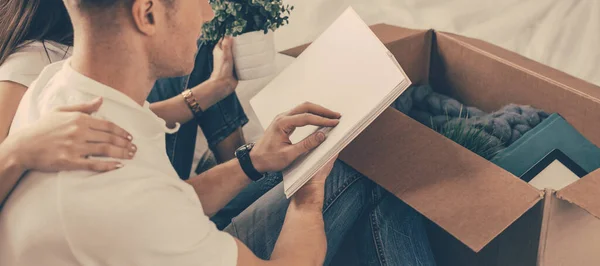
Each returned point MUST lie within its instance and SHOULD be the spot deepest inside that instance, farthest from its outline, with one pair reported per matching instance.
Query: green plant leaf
(475, 139)
(235, 17)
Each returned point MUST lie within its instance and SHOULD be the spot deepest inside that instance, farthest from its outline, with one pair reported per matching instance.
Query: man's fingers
(108, 127)
(95, 165)
(307, 144)
(289, 123)
(314, 109)
(88, 107)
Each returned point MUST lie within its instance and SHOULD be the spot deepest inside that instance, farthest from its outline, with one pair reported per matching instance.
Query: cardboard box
(481, 214)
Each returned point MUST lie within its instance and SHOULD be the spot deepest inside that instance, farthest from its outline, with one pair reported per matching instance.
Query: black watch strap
(243, 156)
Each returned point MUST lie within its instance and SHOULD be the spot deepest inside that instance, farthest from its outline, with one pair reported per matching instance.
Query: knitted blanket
(501, 128)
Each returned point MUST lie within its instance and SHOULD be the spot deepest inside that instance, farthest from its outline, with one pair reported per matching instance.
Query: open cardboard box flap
(466, 195)
(486, 76)
(584, 193)
(532, 67)
(569, 235)
(470, 198)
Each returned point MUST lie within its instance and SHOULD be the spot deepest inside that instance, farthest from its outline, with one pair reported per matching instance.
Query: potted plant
(251, 23)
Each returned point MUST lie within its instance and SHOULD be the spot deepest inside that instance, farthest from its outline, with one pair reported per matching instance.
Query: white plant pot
(254, 55)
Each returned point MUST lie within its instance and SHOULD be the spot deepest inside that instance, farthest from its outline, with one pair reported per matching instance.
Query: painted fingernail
(129, 137)
(119, 165)
(133, 148)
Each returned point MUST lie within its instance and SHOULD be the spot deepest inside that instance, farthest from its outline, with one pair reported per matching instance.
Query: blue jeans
(389, 231)
(217, 122)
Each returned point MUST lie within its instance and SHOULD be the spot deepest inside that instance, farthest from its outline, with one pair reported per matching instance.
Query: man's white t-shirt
(27, 62)
(141, 214)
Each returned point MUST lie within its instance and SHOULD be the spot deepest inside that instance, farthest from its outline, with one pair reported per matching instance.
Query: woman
(36, 33)
(58, 142)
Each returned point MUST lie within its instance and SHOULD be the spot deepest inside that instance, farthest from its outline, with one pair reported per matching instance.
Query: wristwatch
(243, 156)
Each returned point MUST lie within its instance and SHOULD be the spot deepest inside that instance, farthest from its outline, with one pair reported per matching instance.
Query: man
(142, 214)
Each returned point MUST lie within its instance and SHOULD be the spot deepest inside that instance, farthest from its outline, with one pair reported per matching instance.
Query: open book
(347, 69)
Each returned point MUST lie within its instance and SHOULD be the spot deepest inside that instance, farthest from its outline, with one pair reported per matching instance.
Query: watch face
(249, 146)
(244, 149)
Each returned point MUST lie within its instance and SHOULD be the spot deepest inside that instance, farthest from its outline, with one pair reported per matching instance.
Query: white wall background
(564, 34)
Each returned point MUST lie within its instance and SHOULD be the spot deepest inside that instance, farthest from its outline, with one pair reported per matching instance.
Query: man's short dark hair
(111, 3)
(101, 3)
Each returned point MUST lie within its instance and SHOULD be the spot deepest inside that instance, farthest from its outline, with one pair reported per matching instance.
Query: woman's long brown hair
(24, 21)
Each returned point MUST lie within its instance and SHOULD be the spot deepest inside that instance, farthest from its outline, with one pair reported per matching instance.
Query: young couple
(136, 209)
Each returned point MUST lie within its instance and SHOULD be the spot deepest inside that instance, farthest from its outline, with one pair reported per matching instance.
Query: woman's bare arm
(10, 97)
(222, 82)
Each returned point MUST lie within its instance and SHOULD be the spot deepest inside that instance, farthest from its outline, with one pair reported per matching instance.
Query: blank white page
(346, 69)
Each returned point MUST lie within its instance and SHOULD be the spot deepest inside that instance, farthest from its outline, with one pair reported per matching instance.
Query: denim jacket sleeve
(217, 122)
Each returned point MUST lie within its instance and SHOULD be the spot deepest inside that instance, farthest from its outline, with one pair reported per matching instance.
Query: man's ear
(144, 15)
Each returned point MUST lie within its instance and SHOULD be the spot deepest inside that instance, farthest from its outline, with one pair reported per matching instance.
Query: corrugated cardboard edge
(589, 91)
(414, 51)
(536, 84)
(584, 193)
(572, 235)
(546, 214)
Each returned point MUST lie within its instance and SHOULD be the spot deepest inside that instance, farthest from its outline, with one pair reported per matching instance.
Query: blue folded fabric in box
(552, 133)
(519, 135)
(490, 132)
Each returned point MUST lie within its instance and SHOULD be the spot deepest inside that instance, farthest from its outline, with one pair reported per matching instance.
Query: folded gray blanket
(500, 128)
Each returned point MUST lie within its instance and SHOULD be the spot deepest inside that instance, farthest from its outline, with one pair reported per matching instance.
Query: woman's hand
(63, 140)
(222, 83)
(223, 72)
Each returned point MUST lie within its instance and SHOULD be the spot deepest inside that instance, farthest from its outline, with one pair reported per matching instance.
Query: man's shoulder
(45, 93)
(46, 77)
